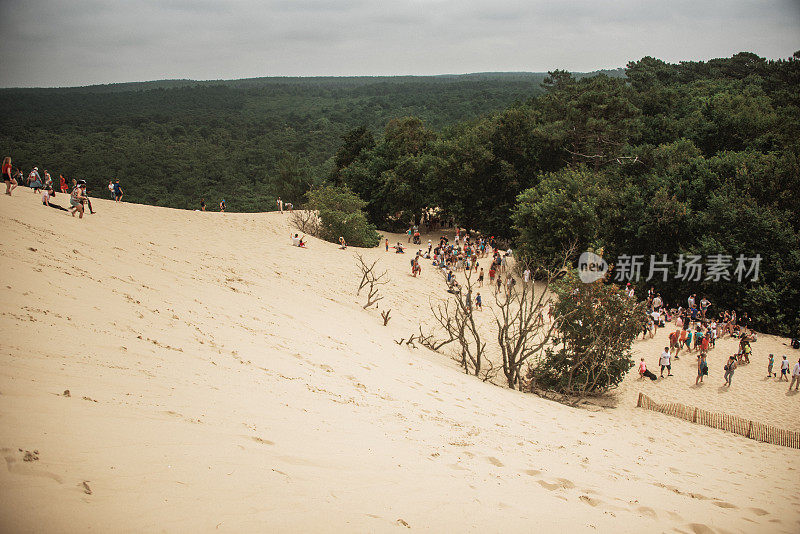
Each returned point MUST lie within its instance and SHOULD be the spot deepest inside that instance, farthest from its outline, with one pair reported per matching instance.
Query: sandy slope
(222, 380)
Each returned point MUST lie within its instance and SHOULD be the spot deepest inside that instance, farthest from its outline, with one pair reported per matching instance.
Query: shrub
(340, 215)
(591, 351)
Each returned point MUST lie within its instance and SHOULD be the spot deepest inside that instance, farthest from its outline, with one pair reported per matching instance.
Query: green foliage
(173, 142)
(340, 215)
(563, 209)
(596, 326)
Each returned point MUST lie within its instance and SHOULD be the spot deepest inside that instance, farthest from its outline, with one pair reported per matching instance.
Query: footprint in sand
(758, 511)
(723, 504)
(494, 461)
(647, 511)
(700, 528)
(589, 500)
(261, 440)
(16, 468)
(532, 472)
(561, 483)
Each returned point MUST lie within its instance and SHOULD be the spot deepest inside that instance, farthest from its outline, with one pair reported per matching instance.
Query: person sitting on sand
(46, 193)
(399, 249)
(297, 241)
(342, 243)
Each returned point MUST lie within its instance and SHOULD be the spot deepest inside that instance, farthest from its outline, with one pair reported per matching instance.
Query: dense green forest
(172, 142)
(693, 159)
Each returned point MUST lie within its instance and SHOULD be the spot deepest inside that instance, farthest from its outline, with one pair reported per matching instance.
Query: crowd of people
(696, 330)
(464, 254)
(43, 184)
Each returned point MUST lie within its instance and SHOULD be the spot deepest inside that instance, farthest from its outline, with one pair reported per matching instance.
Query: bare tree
(522, 331)
(455, 315)
(386, 316)
(371, 282)
(307, 221)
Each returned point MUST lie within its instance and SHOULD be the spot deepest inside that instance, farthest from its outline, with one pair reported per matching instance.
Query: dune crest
(222, 380)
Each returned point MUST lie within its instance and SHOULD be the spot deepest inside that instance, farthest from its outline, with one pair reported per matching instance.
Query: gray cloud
(52, 43)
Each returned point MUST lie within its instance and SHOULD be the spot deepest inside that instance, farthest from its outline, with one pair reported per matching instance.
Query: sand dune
(222, 380)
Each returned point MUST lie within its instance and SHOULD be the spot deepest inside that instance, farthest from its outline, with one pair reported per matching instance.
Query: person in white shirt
(784, 369)
(795, 376)
(526, 276)
(664, 362)
(297, 241)
(657, 302)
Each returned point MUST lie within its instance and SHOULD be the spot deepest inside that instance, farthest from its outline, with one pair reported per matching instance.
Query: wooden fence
(731, 423)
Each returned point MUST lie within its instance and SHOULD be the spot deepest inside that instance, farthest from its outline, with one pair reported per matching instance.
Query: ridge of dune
(223, 380)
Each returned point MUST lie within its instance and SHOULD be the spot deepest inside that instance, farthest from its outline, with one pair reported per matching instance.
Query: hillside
(222, 380)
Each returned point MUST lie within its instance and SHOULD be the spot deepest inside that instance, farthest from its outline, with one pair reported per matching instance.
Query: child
(643, 372)
(478, 302)
(769, 367)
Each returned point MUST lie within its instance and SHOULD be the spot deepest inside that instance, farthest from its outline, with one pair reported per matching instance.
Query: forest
(173, 142)
(697, 158)
(690, 164)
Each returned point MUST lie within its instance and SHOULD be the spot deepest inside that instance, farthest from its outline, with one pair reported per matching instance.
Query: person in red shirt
(63, 184)
(674, 345)
(8, 178)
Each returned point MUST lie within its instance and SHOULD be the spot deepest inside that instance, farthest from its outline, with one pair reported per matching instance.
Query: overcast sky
(82, 42)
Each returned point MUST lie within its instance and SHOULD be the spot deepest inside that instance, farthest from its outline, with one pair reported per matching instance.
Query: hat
(36, 168)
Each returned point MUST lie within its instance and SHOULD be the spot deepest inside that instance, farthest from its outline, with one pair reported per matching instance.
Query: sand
(221, 380)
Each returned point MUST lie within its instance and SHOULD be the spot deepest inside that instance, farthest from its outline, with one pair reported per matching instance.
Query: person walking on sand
(202, 204)
(664, 362)
(111, 188)
(480, 278)
(222, 206)
(387, 245)
(702, 368)
(62, 185)
(770, 374)
(479, 304)
(784, 369)
(279, 203)
(730, 367)
(76, 201)
(673, 344)
(8, 178)
(644, 373)
(117, 192)
(795, 376)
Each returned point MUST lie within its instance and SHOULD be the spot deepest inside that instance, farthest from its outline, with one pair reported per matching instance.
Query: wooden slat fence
(731, 423)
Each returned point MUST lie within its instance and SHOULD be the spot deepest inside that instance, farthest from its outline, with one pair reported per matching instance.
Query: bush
(591, 351)
(340, 215)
